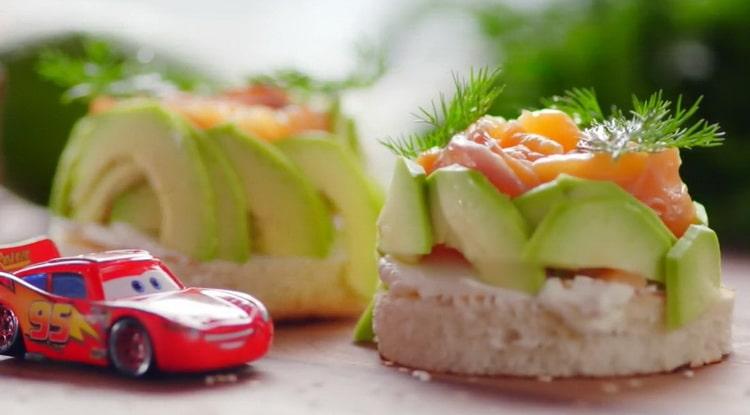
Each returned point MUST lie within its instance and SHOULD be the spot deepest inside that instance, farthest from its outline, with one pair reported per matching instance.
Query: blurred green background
(619, 47)
(624, 47)
(35, 121)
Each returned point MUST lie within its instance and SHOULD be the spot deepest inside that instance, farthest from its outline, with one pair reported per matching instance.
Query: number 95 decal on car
(58, 323)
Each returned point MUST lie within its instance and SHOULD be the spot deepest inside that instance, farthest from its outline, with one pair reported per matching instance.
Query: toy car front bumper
(191, 350)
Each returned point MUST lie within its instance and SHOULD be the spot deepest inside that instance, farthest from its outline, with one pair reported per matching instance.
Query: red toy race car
(123, 308)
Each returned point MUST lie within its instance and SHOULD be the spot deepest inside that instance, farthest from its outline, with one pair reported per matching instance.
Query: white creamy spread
(587, 304)
(584, 304)
(438, 278)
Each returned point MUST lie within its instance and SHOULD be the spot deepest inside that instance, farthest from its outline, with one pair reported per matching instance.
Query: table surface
(315, 369)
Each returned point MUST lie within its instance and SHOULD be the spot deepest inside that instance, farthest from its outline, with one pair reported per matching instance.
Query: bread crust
(292, 288)
(561, 332)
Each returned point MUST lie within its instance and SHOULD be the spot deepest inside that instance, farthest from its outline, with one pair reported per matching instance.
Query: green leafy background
(37, 114)
(625, 47)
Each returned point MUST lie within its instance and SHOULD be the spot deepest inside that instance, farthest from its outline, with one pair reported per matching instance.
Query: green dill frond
(473, 98)
(654, 124)
(580, 103)
(83, 76)
(101, 70)
(372, 63)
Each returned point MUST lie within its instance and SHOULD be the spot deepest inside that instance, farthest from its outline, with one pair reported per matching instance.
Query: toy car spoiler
(22, 254)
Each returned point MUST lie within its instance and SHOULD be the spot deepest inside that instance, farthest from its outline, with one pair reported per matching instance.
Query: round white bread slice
(436, 317)
(292, 288)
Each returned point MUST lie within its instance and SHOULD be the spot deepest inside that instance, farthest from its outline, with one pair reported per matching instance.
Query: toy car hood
(197, 308)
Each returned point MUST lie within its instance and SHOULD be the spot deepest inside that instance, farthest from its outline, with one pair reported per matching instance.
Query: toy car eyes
(137, 286)
(155, 283)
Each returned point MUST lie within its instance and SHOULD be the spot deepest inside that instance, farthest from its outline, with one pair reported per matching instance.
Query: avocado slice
(142, 211)
(93, 204)
(363, 331)
(344, 129)
(139, 208)
(287, 214)
(693, 275)
(469, 214)
(163, 148)
(700, 214)
(337, 174)
(62, 183)
(233, 227)
(602, 233)
(537, 202)
(404, 224)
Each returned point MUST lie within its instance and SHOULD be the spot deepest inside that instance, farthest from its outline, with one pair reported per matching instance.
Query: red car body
(69, 309)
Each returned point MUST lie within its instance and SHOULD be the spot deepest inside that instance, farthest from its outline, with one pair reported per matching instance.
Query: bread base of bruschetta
(431, 320)
(292, 288)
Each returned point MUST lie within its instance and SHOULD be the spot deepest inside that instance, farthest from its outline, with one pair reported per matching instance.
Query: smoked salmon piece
(463, 152)
(506, 133)
(553, 124)
(265, 95)
(653, 178)
(540, 144)
(428, 159)
(593, 166)
(261, 111)
(517, 156)
(615, 275)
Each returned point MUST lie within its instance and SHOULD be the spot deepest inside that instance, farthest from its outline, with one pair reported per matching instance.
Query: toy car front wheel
(11, 343)
(130, 348)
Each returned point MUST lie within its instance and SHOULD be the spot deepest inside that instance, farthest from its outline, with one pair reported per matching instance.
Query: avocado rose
(246, 189)
(560, 243)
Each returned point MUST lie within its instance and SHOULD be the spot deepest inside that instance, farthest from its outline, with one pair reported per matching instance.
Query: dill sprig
(580, 103)
(472, 99)
(652, 125)
(371, 65)
(102, 70)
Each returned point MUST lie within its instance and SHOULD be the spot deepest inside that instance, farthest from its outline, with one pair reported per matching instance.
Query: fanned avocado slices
(164, 150)
(234, 237)
(221, 193)
(336, 173)
(287, 213)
